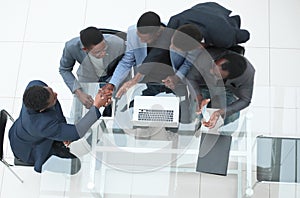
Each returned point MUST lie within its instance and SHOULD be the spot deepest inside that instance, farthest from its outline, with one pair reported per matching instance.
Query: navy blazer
(33, 133)
(217, 27)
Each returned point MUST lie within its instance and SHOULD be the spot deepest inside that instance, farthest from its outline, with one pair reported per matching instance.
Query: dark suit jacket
(33, 133)
(216, 26)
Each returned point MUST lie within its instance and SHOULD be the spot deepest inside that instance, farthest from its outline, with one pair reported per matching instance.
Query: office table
(122, 152)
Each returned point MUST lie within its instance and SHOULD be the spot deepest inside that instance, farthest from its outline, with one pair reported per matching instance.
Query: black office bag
(213, 154)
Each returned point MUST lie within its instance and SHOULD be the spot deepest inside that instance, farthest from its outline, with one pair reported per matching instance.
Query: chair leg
(11, 170)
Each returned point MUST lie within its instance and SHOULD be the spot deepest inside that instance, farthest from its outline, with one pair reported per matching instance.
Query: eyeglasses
(98, 50)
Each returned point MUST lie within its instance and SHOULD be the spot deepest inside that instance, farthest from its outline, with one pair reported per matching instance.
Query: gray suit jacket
(242, 86)
(86, 73)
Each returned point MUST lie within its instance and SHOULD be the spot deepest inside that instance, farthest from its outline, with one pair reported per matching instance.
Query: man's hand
(201, 103)
(211, 123)
(108, 89)
(171, 81)
(127, 85)
(108, 86)
(124, 88)
(85, 99)
(67, 143)
(103, 98)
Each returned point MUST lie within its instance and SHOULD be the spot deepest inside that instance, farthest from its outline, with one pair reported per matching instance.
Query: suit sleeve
(67, 63)
(244, 94)
(59, 130)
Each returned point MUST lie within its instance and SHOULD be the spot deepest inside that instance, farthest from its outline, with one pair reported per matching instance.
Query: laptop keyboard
(155, 115)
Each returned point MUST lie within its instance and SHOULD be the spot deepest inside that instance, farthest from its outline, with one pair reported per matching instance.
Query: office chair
(4, 115)
(118, 33)
(278, 160)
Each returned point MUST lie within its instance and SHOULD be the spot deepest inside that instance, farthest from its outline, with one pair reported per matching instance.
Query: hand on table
(211, 123)
(127, 85)
(201, 103)
(171, 81)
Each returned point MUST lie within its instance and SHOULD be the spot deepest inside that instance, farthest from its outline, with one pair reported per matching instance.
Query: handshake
(103, 98)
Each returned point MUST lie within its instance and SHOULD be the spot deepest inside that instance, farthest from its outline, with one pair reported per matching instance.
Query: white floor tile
(261, 96)
(153, 184)
(283, 97)
(113, 14)
(115, 182)
(298, 122)
(7, 104)
(158, 7)
(287, 59)
(11, 55)
(257, 25)
(218, 186)
(40, 61)
(2, 167)
(298, 97)
(54, 20)
(13, 15)
(259, 58)
(284, 122)
(30, 187)
(282, 17)
(284, 190)
(260, 123)
(261, 190)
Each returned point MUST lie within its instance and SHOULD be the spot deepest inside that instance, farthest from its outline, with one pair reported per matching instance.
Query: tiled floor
(32, 38)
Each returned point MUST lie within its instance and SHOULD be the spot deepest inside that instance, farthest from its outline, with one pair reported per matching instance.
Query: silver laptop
(156, 111)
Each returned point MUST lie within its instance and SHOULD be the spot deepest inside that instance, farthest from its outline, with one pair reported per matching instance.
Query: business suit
(33, 133)
(86, 72)
(238, 90)
(217, 27)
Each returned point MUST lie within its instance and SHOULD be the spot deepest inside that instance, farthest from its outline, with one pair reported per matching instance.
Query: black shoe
(19, 162)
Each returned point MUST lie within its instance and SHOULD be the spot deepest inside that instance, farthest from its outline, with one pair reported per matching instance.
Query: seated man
(41, 129)
(97, 54)
(228, 81)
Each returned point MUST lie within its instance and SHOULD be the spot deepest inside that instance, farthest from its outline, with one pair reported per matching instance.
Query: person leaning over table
(142, 39)
(147, 39)
(98, 55)
(41, 130)
(217, 29)
(218, 74)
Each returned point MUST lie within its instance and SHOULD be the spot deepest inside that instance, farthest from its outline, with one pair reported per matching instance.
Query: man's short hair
(187, 37)
(90, 36)
(36, 98)
(235, 64)
(148, 23)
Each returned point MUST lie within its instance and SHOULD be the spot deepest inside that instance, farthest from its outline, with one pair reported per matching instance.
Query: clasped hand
(103, 98)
